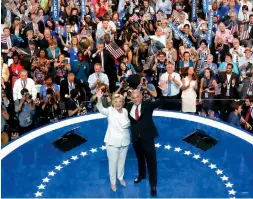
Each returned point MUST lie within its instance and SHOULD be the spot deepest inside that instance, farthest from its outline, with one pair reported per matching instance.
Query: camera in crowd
(83, 109)
(127, 4)
(249, 66)
(219, 45)
(51, 100)
(3, 93)
(28, 95)
(125, 86)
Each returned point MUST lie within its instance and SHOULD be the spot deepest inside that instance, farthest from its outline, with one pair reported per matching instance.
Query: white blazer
(118, 133)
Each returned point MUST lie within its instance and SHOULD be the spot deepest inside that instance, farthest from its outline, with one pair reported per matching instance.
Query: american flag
(114, 50)
(135, 17)
(3, 39)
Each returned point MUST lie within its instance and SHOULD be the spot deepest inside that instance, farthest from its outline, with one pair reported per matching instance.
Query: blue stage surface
(33, 167)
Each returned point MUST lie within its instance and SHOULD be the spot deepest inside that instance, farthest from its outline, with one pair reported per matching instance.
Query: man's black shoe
(139, 179)
(153, 191)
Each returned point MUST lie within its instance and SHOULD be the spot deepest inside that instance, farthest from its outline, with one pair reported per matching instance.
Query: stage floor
(33, 167)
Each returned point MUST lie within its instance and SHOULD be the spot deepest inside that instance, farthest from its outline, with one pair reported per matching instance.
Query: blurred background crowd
(56, 53)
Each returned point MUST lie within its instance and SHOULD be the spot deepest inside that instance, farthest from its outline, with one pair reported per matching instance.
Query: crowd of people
(51, 68)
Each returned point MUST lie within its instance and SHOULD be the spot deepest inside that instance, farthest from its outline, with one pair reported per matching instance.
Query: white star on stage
(177, 149)
(37, 194)
(205, 161)
(103, 147)
(93, 150)
(232, 198)
(46, 179)
(212, 166)
(58, 167)
(187, 153)
(232, 192)
(218, 171)
(196, 156)
(41, 186)
(167, 147)
(83, 153)
(74, 157)
(51, 173)
(66, 162)
(157, 145)
(224, 178)
(229, 185)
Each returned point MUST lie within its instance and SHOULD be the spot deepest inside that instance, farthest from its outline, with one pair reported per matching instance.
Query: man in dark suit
(229, 84)
(32, 52)
(8, 46)
(66, 39)
(102, 56)
(248, 26)
(143, 132)
(67, 85)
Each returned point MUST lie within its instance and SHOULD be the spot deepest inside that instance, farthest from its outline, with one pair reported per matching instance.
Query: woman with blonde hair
(117, 136)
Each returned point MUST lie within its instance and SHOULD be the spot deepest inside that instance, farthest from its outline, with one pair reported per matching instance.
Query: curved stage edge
(225, 171)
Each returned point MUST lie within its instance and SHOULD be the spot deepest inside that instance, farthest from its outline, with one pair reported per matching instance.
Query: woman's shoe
(114, 188)
(123, 183)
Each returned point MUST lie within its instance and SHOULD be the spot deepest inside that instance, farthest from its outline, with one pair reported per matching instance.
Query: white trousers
(116, 158)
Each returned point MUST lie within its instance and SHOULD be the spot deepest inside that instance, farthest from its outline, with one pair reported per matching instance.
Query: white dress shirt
(118, 133)
(235, 56)
(18, 86)
(132, 112)
(93, 78)
(174, 88)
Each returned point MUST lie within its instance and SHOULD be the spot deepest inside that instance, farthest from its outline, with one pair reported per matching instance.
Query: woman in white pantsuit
(117, 136)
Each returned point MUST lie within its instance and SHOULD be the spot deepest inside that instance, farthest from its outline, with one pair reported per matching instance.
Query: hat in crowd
(247, 49)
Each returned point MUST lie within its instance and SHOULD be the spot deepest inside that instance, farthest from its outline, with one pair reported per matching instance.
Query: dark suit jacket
(14, 42)
(233, 94)
(64, 88)
(108, 62)
(144, 128)
(223, 52)
(246, 27)
(26, 61)
(64, 38)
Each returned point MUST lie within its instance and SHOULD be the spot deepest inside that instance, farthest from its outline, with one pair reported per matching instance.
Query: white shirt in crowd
(132, 112)
(19, 85)
(93, 78)
(235, 56)
(111, 24)
(174, 88)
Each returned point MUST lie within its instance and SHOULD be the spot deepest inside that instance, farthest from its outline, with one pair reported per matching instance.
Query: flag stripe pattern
(3, 39)
(115, 50)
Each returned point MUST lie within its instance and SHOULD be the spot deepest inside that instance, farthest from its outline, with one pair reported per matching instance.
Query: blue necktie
(169, 89)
